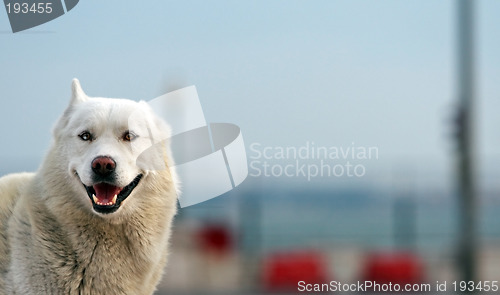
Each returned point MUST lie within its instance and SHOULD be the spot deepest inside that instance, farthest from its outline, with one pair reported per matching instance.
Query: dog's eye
(86, 136)
(129, 136)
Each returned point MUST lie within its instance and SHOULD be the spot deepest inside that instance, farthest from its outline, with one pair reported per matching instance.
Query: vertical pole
(465, 140)
(404, 223)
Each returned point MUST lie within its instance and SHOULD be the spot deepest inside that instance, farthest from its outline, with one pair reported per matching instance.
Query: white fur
(53, 242)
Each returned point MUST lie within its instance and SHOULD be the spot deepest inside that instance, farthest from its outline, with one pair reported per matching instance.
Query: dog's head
(101, 142)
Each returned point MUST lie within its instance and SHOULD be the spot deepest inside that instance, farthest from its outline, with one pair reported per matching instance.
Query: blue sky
(377, 73)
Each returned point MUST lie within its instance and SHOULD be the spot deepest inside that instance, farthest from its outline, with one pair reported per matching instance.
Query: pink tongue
(105, 192)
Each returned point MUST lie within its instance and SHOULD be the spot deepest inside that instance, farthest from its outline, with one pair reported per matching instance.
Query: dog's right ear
(77, 94)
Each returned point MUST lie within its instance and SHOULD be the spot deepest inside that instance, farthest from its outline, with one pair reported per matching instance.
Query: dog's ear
(77, 94)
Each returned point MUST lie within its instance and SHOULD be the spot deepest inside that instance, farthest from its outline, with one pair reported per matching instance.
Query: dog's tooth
(114, 199)
(95, 199)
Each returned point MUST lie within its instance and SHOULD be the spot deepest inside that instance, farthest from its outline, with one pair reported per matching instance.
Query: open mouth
(107, 198)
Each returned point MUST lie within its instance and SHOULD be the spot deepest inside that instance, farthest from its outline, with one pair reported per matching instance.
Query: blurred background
(397, 76)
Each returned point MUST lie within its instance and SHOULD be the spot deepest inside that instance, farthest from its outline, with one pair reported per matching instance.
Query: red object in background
(282, 271)
(393, 267)
(215, 238)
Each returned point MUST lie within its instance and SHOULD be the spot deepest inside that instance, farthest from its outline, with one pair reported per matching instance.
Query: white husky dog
(96, 217)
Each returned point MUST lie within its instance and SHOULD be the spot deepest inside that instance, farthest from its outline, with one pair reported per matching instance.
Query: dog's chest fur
(90, 256)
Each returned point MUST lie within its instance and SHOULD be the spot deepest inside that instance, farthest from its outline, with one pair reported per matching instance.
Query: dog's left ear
(77, 94)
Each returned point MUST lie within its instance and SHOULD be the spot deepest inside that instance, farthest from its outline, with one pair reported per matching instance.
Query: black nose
(103, 166)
